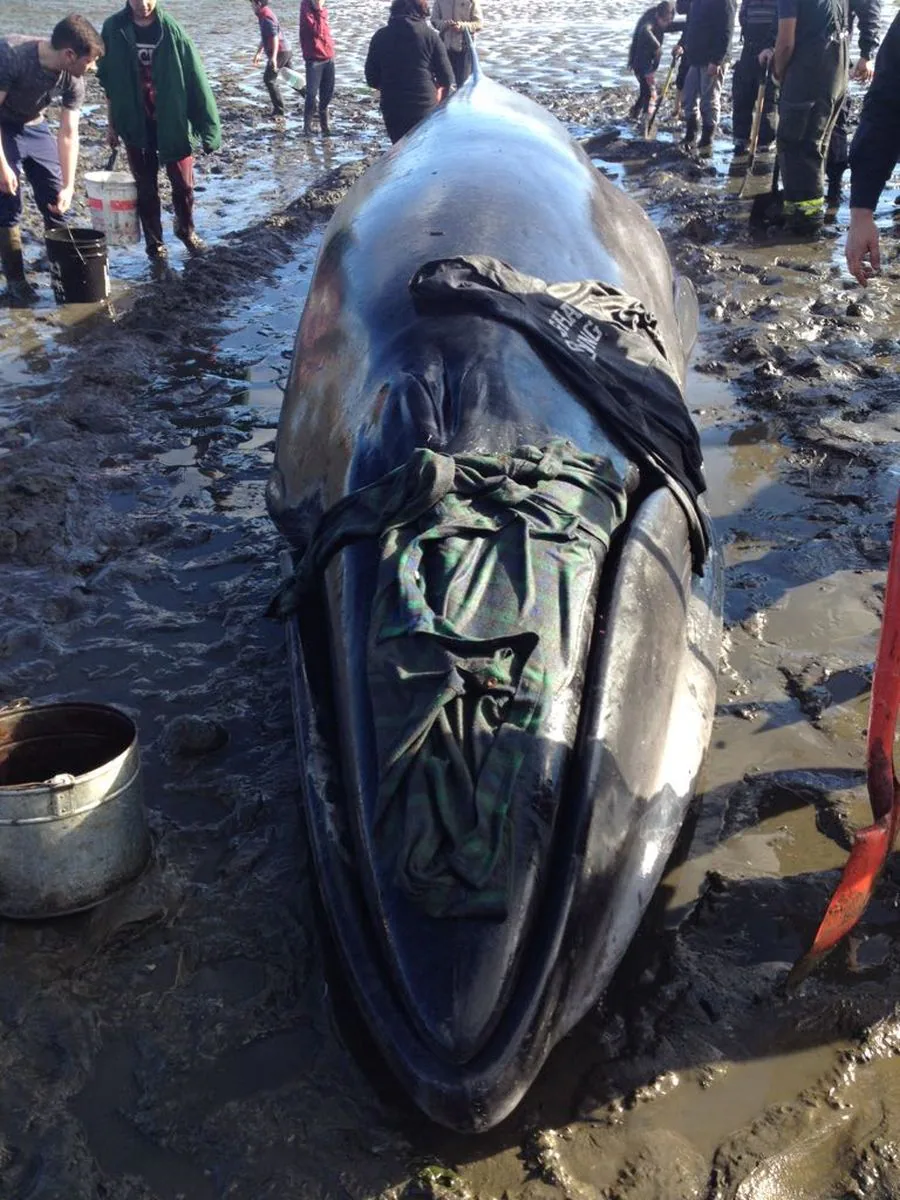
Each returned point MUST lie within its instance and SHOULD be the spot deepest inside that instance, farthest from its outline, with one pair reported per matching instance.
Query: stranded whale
(502, 600)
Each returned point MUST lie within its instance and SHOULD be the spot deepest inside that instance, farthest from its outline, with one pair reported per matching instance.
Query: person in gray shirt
(34, 73)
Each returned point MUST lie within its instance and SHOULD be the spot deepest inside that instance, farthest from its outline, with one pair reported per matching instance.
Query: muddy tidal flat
(191, 1039)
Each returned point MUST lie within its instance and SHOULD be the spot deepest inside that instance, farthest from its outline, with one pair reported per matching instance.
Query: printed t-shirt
(29, 87)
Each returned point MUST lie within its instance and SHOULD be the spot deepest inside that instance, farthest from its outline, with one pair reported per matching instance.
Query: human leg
(691, 102)
(181, 177)
(710, 107)
(270, 79)
(144, 165)
(837, 158)
(19, 291)
(326, 92)
(40, 163)
(461, 62)
(811, 96)
(314, 72)
(744, 85)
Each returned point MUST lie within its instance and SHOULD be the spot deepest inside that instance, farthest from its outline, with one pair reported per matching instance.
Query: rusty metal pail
(72, 823)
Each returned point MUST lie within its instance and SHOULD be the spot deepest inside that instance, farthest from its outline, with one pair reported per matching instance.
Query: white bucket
(112, 198)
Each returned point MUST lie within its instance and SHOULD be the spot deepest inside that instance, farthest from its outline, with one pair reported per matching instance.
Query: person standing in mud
(158, 102)
(873, 155)
(810, 63)
(868, 13)
(317, 46)
(646, 51)
(758, 20)
(453, 19)
(32, 72)
(707, 42)
(407, 62)
(274, 45)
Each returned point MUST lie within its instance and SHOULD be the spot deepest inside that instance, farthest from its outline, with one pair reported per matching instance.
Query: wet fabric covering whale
(502, 595)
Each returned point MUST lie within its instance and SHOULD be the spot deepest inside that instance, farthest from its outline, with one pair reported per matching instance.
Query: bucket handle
(74, 244)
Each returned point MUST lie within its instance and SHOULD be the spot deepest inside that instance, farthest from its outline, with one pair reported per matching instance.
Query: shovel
(755, 127)
(871, 845)
(651, 120)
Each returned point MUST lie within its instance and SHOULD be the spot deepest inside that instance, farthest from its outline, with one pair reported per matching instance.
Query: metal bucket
(72, 823)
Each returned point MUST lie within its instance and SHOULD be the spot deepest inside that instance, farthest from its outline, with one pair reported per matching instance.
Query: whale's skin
(466, 1011)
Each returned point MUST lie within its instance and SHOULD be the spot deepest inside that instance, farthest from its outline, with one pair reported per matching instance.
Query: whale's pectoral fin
(687, 312)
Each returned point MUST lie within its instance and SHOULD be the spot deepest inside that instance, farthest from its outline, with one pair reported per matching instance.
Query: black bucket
(78, 269)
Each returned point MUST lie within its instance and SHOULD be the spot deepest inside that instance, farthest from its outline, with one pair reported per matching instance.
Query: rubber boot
(324, 127)
(706, 137)
(690, 133)
(19, 291)
(307, 127)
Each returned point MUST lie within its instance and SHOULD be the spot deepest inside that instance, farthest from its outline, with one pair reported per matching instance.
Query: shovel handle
(111, 161)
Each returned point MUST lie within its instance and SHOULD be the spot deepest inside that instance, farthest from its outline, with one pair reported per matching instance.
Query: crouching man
(35, 72)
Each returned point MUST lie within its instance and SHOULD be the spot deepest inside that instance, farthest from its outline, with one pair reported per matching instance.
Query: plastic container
(294, 79)
(78, 265)
(112, 198)
(72, 824)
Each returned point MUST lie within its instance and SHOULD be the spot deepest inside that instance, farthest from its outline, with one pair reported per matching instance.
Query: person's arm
(868, 13)
(722, 43)
(477, 21)
(67, 144)
(784, 46)
(373, 64)
(873, 155)
(441, 70)
(202, 111)
(9, 180)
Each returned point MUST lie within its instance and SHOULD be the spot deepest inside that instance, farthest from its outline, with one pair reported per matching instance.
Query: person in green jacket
(159, 103)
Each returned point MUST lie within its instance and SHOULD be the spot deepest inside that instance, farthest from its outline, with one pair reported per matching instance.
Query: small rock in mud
(189, 735)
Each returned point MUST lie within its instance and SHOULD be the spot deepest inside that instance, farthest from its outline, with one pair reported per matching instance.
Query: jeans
(32, 150)
(144, 164)
(319, 87)
(270, 79)
(702, 92)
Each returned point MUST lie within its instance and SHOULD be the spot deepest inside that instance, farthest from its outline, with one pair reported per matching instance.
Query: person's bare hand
(9, 181)
(863, 71)
(63, 201)
(862, 245)
(766, 56)
(713, 70)
(678, 51)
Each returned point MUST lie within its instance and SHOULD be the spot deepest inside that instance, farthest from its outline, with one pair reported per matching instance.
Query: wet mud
(191, 1037)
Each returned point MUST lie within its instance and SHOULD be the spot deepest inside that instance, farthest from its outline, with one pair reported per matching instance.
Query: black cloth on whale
(604, 344)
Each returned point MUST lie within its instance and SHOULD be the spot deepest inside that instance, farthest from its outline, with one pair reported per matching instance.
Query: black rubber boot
(19, 291)
(706, 137)
(690, 134)
(833, 195)
(324, 127)
(307, 127)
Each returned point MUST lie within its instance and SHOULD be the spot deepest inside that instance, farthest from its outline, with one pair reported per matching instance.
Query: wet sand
(191, 1037)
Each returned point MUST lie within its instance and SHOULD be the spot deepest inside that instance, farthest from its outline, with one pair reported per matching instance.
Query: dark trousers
(32, 150)
(838, 158)
(748, 75)
(144, 164)
(399, 121)
(811, 95)
(319, 87)
(270, 79)
(461, 62)
(646, 94)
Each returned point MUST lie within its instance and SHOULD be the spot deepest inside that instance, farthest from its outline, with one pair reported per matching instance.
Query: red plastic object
(871, 845)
